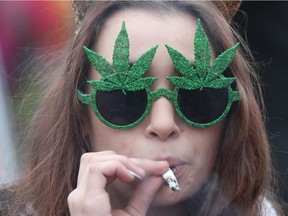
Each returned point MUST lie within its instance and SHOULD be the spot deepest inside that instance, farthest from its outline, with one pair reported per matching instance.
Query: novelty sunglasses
(122, 98)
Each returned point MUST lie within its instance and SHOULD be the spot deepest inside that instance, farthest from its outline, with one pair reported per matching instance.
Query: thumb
(143, 195)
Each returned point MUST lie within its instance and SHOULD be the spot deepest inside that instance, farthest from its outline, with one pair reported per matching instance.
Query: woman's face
(162, 135)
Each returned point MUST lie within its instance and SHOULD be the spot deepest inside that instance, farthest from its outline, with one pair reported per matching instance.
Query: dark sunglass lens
(121, 108)
(203, 106)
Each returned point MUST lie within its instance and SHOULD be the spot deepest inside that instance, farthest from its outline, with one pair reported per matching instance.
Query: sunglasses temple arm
(84, 98)
(235, 95)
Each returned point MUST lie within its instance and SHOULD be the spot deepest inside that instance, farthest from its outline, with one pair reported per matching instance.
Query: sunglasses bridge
(162, 92)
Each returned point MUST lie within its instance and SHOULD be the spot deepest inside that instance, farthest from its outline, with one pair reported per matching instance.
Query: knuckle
(85, 158)
(73, 198)
(110, 152)
(123, 158)
(93, 169)
(87, 206)
(133, 211)
(117, 164)
(78, 203)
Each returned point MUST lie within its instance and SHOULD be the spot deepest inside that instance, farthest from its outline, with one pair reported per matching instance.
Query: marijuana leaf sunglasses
(122, 98)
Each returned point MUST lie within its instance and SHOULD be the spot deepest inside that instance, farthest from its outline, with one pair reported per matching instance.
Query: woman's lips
(178, 170)
(175, 165)
(173, 169)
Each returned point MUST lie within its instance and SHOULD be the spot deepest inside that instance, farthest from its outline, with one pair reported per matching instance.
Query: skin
(149, 148)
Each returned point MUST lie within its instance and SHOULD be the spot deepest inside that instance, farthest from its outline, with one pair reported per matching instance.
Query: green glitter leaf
(103, 85)
(102, 66)
(121, 53)
(181, 63)
(201, 51)
(184, 83)
(141, 65)
(222, 62)
(201, 74)
(122, 75)
(220, 83)
(141, 84)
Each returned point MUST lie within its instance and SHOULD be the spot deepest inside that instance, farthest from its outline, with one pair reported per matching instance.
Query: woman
(82, 155)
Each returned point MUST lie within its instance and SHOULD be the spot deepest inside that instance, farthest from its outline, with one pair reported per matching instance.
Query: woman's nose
(162, 123)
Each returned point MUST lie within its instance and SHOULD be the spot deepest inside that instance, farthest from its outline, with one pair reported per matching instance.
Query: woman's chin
(165, 196)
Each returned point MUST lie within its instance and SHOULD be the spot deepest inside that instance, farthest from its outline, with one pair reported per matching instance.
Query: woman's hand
(101, 168)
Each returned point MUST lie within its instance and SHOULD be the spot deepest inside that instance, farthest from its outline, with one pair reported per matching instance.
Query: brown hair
(242, 173)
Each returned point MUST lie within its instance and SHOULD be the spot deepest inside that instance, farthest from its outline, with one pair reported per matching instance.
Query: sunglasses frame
(120, 75)
(90, 99)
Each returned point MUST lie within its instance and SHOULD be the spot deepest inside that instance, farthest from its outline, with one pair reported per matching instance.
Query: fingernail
(135, 175)
(164, 164)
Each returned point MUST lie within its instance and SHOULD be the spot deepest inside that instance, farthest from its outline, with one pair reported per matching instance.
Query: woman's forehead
(146, 30)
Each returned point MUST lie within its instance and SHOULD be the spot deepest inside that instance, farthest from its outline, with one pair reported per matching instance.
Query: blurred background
(28, 30)
(32, 28)
(267, 34)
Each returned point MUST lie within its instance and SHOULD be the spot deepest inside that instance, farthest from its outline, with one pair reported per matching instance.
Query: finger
(91, 157)
(86, 158)
(94, 159)
(80, 204)
(123, 159)
(100, 175)
(108, 152)
(91, 192)
(143, 196)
